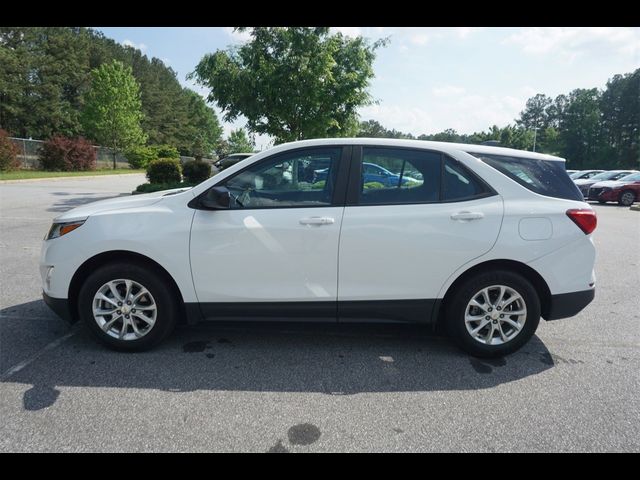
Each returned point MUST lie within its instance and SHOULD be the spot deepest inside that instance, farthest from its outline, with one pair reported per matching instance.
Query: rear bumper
(567, 305)
(60, 306)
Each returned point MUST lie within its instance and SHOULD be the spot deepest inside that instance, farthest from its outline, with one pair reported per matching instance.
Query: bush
(67, 154)
(373, 185)
(8, 153)
(139, 157)
(164, 170)
(166, 151)
(196, 171)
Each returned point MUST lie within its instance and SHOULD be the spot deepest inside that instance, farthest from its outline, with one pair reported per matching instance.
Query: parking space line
(25, 363)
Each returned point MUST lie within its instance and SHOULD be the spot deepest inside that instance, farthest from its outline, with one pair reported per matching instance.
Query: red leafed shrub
(67, 154)
(8, 153)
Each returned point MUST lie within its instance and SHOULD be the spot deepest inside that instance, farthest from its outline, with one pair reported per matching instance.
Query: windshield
(609, 175)
(634, 177)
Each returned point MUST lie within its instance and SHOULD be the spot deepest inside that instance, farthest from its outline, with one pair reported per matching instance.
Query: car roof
(445, 147)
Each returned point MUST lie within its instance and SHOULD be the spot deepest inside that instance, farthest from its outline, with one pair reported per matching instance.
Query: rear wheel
(127, 306)
(627, 198)
(493, 314)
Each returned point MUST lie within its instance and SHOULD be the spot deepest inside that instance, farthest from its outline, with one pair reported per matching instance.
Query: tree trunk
(114, 159)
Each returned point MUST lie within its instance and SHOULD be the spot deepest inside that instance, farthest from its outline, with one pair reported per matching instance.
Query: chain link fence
(28, 155)
(29, 152)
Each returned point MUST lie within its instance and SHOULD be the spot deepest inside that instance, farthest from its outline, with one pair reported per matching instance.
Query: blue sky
(428, 79)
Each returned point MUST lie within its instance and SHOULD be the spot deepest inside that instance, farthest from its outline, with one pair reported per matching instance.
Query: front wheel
(127, 307)
(627, 198)
(493, 314)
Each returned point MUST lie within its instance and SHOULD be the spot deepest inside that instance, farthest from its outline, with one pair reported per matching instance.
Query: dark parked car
(232, 159)
(585, 184)
(625, 191)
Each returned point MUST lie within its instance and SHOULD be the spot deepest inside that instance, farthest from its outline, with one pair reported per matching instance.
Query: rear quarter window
(545, 177)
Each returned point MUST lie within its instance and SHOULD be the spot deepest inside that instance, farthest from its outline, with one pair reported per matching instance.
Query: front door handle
(317, 221)
(465, 216)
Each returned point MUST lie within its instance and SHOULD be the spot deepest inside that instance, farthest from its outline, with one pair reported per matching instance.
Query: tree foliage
(239, 142)
(589, 127)
(112, 113)
(8, 153)
(373, 129)
(292, 83)
(203, 131)
(45, 73)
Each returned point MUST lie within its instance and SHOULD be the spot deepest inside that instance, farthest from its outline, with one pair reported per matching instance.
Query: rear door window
(545, 177)
(396, 176)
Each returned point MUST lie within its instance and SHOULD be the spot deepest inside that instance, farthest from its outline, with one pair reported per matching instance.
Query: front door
(275, 250)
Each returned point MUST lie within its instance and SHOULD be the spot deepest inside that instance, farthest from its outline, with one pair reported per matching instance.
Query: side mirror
(216, 198)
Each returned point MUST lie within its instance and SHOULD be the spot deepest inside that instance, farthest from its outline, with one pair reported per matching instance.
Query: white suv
(481, 240)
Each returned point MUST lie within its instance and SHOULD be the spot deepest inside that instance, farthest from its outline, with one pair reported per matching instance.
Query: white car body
(388, 258)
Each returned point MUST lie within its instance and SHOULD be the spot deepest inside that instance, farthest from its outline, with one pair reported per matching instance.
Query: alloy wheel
(495, 315)
(124, 309)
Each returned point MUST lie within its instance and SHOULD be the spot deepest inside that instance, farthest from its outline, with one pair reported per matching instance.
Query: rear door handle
(465, 216)
(317, 221)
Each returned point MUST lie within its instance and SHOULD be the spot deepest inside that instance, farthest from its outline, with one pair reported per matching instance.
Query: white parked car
(487, 242)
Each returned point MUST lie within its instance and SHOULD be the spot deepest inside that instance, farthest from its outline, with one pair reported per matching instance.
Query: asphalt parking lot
(299, 388)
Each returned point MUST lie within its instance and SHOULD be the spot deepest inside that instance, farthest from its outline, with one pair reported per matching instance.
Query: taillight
(586, 219)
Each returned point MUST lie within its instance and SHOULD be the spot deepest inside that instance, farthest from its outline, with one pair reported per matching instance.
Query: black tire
(626, 198)
(154, 281)
(456, 306)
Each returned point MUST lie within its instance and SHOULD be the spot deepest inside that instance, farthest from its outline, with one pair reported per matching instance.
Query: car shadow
(329, 359)
(69, 203)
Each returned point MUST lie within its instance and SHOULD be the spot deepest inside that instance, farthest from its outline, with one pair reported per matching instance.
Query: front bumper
(60, 306)
(601, 195)
(567, 305)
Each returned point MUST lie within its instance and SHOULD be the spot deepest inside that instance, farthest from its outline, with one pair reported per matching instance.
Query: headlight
(60, 229)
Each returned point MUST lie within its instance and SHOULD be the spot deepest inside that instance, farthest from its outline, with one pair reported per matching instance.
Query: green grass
(30, 174)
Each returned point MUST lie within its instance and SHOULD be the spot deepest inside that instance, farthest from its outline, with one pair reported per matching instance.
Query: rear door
(399, 243)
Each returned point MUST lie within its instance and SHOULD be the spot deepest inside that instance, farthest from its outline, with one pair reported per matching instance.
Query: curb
(635, 207)
(78, 177)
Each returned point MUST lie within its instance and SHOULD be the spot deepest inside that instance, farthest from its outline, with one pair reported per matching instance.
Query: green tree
(112, 113)
(620, 129)
(45, 73)
(535, 113)
(238, 142)
(535, 117)
(371, 129)
(292, 83)
(41, 80)
(580, 128)
(203, 131)
(448, 135)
